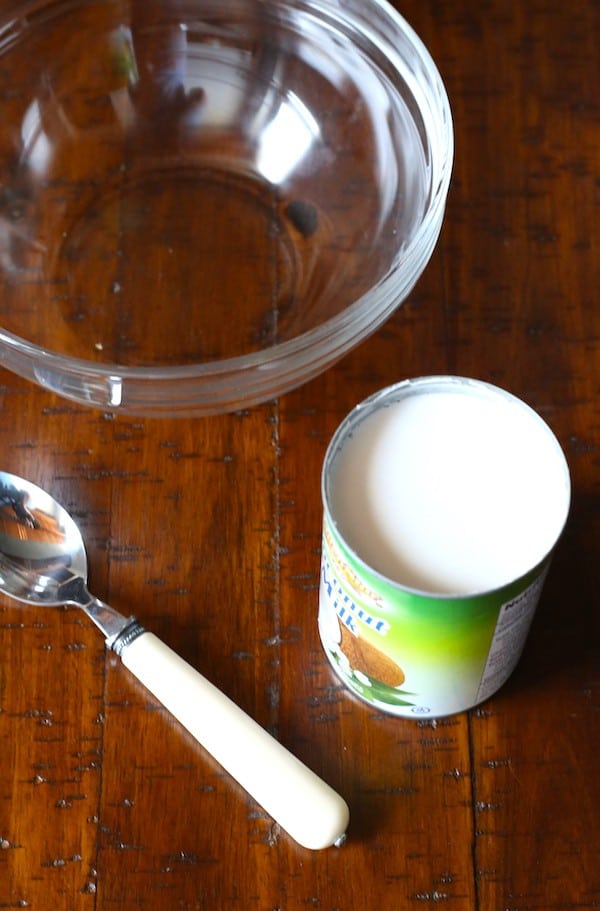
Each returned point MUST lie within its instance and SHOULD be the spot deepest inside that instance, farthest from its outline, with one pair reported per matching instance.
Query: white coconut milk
(455, 490)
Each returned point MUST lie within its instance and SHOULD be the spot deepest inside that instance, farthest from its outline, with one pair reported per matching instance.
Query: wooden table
(209, 529)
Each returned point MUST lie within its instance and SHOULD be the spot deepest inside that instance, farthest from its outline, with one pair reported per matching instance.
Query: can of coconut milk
(444, 498)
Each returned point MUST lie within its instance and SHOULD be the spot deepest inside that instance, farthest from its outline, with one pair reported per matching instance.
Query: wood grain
(209, 530)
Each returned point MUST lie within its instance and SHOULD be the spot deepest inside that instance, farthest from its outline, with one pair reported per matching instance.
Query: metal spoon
(43, 561)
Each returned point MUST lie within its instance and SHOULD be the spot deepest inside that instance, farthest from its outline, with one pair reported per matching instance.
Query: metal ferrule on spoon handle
(302, 803)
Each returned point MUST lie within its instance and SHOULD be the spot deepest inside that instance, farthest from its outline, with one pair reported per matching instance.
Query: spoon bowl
(42, 555)
(43, 561)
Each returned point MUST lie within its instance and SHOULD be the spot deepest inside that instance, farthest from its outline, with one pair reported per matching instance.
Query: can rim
(419, 386)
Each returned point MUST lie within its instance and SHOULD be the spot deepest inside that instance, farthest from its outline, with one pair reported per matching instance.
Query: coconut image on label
(349, 611)
(443, 501)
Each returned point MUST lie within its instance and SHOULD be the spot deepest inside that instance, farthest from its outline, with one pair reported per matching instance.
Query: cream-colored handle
(305, 806)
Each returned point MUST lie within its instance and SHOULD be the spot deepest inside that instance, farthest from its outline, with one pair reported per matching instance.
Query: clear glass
(204, 204)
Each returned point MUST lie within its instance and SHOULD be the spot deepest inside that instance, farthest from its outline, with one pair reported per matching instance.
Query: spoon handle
(304, 805)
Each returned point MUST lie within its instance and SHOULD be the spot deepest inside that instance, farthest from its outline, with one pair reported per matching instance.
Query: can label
(512, 626)
(411, 654)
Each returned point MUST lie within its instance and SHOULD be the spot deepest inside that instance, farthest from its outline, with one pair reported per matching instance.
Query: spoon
(43, 561)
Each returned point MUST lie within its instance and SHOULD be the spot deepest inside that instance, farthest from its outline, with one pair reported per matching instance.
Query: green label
(413, 654)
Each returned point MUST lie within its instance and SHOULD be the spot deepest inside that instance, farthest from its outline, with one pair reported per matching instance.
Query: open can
(444, 498)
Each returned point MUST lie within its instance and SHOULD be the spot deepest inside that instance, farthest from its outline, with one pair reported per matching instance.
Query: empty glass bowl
(204, 203)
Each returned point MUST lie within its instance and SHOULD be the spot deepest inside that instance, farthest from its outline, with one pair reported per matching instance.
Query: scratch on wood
(445, 742)
(392, 790)
(65, 803)
(179, 456)
(457, 774)
(483, 806)
(503, 763)
(58, 862)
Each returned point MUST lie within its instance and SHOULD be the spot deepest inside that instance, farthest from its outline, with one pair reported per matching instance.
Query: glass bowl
(204, 203)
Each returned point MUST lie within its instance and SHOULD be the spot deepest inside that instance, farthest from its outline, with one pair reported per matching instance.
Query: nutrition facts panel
(514, 620)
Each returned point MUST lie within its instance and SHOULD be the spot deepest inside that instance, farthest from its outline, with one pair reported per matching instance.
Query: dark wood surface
(209, 530)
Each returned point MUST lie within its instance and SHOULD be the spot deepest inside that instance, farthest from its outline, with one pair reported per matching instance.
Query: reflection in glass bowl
(205, 204)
